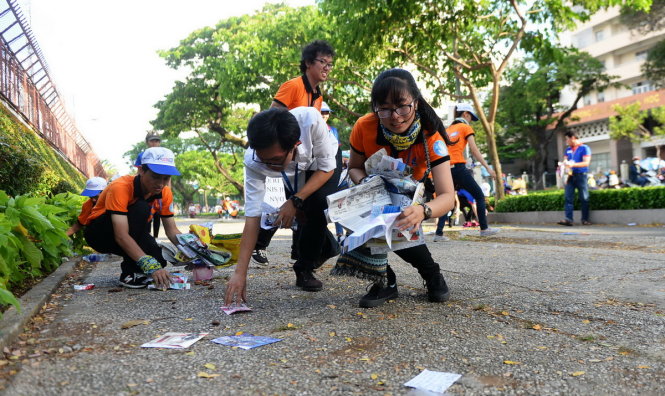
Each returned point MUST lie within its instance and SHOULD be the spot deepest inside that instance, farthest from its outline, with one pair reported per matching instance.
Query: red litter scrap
(88, 286)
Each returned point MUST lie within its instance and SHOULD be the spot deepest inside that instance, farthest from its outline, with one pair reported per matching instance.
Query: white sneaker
(440, 238)
(489, 232)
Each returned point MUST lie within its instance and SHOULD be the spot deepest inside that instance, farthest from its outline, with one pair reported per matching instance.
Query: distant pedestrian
(577, 158)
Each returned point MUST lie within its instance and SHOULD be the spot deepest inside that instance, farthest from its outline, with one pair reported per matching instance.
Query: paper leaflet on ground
(174, 340)
(433, 381)
(269, 215)
(245, 341)
(235, 308)
(352, 205)
(178, 282)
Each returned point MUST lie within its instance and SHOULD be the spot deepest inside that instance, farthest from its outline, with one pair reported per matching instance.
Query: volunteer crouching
(120, 221)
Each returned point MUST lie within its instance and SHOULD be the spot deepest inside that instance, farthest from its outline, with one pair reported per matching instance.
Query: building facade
(622, 51)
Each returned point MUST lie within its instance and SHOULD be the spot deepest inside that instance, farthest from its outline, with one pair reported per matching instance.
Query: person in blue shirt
(576, 160)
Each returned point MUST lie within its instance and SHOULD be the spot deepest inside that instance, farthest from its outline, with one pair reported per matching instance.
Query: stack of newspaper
(370, 209)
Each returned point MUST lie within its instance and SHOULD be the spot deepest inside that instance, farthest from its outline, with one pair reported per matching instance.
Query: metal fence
(26, 87)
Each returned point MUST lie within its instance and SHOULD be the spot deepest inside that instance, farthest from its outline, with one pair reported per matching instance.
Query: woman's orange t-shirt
(366, 139)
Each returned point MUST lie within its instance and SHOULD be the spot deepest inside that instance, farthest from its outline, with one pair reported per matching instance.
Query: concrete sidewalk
(537, 310)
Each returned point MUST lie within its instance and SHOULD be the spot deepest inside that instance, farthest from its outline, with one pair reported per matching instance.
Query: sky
(102, 56)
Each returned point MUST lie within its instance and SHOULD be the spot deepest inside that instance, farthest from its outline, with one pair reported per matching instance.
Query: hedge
(610, 199)
(33, 239)
(28, 164)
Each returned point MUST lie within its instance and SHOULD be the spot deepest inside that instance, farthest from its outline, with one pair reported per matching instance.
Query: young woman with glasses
(401, 121)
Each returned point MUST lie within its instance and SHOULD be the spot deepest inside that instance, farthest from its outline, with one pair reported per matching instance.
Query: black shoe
(306, 281)
(437, 290)
(294, 257)
(134, 281)
(260, 257)
(565, 222)
(378, 294)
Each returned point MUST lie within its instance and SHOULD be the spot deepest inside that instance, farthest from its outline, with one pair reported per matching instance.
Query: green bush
(610, 199)
(32, 237)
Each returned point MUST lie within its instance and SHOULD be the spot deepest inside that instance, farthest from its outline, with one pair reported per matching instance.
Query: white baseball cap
(94, 186)
(325, 107)
(467, 107)
(160, 160)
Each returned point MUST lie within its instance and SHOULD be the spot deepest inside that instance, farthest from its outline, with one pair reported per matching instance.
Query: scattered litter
(174, 340)
(433, 381)
(245, 341)
(233, 308)
(115, 290)
(215, 323)
(631, 224)
(203, 374)
(570, 233)
(178, 282)
(133, 323)
(87, 286)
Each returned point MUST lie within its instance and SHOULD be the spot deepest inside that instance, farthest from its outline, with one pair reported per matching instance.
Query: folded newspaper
(370, 209)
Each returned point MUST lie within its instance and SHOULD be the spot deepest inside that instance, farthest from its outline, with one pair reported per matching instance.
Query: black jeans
(462, 178)
(420, 258)
(311, 236)
(100, 236)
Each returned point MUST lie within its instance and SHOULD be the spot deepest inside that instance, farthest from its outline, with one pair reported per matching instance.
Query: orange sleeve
(437, 148)
(167, 202)
(286, 94)
(364, 130)
(86, 209)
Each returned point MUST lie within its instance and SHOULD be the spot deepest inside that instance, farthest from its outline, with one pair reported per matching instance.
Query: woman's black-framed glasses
(324, 63)
(402, 110)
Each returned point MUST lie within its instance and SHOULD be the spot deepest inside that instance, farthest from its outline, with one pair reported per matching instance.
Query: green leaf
(6, 297)
(30, 252)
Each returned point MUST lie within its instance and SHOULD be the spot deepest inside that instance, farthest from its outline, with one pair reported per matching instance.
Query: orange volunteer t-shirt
(366, 139)
(86, 209)
(298, 93)
(459, 133)
(119, 195)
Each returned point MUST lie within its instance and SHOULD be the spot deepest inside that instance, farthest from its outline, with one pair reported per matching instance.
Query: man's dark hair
(276, 125)
(312, 51)
(570, 134)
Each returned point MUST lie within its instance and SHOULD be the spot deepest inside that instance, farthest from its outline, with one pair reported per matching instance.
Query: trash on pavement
(178, 282)
(631, 224)
(234, 308)
(433, 381)
(95, 257)
(245, 341)
(87, 286)
(174, 340)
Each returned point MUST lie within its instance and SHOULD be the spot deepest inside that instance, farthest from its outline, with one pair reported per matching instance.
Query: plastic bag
(230, 242)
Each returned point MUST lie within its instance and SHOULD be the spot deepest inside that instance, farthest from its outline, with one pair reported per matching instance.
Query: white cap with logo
(160, 160)
(94, 186)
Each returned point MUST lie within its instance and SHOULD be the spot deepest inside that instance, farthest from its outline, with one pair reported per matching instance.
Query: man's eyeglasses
(275, 163)
(325, 64)
(402, 110)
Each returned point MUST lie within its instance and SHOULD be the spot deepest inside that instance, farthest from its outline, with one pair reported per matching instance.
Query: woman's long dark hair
(391, 84)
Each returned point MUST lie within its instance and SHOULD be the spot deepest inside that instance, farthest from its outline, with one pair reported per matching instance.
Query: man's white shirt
(316, 152)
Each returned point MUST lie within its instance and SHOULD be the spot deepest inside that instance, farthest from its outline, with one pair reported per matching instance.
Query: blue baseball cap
(94, 186)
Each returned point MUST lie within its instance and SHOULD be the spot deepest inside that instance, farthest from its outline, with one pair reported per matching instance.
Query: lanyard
(287, 184)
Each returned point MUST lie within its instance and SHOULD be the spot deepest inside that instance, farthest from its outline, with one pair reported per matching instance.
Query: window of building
(641, 87)
(600, 162)
(600, 96)
(641, 55)
(599, 35)
(587, 100)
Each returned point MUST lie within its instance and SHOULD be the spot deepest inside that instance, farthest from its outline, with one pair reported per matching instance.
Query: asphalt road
(537, 310)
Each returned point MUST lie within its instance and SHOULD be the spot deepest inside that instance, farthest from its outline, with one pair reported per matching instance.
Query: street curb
(12, 322)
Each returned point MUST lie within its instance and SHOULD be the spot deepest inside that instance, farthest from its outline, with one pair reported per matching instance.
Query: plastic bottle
(95, 257)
